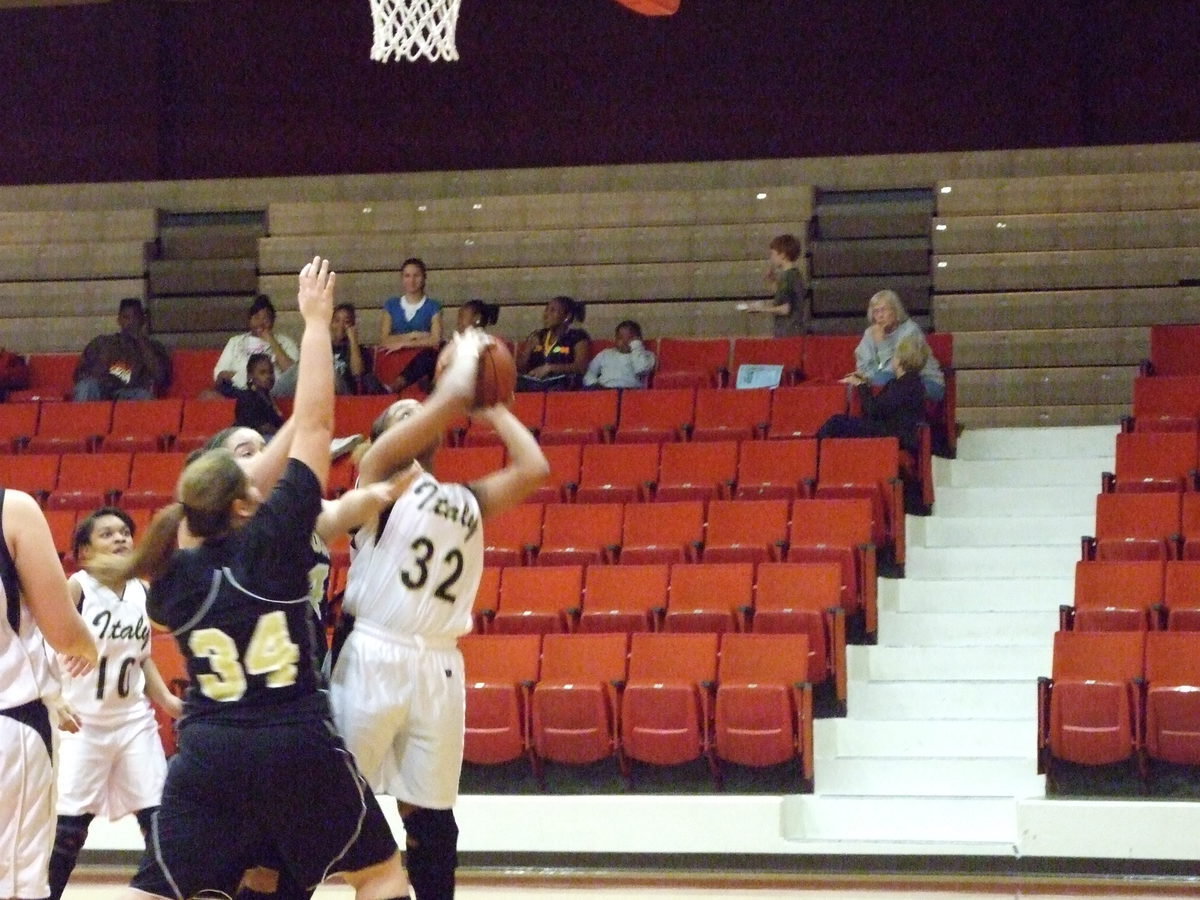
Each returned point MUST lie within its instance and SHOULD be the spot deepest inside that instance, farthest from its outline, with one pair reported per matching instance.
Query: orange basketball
(496, 378)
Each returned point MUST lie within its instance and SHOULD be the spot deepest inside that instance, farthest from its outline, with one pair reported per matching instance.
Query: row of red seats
(1156, 525)
(681, 362)
(659, 699)
(1134, 595)
(1120, 696)
(835, 468)
(771, 597)
(749, 531)
(84, 481)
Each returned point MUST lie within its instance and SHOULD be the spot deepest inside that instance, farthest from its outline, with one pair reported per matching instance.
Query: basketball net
(411, 29)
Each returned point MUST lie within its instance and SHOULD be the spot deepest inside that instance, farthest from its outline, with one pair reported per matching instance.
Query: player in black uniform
(259, 764)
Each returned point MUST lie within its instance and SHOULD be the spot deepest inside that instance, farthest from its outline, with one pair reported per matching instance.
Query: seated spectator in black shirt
(897, 410)
(127, 365)
(255, 407)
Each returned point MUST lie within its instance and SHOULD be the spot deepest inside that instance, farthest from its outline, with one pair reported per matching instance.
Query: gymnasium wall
(139, 90)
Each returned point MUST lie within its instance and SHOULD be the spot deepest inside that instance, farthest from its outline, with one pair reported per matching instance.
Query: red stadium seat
(1181, 596)
(867, 467)
(576, 703)
(581, 533)
(487, 599)
(1114, 596)
(1173, 697)
(709, 597)
(666, 707)
(800, 411)
(513, 537)
(829, 357)
(201, 420)
(617, 473)
(579, 417)
(692, 362)
(565, 461)
(537, 600)
(763, 710)
(746, 531)
(624, 598)
(35, 474)
(192, 372)
(654, 416)
(462, 465)
(772, 470)
(51, 378)
(839, 531)
(1090, 709)
(701, 471)
(501, 670)
(1135, 526)
(528, 406)
(805, 598)
(87, 481)
(1154, 461)
(778, 351)
(71, 427)
(1166, 403)
(1173, 349)
(18, 423)
(663, 533)
(732, 416)
(143, 425)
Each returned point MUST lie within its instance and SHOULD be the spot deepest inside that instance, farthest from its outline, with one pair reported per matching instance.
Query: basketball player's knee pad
(69, 834)
(432, 852)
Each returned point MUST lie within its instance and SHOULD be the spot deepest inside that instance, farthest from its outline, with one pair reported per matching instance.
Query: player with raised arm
(257, 718)
(37, 611)
(398, 686)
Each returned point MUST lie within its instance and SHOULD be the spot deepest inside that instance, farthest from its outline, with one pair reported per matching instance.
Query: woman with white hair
(890, 325)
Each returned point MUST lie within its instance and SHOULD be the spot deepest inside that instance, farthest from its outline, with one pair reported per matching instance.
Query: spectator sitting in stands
(255, 407)
(229, 374)
(790, 307)
(628, 364)
(889, 326)
(412, 321)
(898, 409)
(555, 357)
(349, 358)
(127, 365)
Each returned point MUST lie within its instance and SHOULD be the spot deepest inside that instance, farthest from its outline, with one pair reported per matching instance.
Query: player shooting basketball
(398, 688)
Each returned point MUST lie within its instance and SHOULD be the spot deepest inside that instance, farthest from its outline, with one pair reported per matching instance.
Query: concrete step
(928, 701)
(1003, 663)
(992, 562)
(1026, 472)
(969, 502)
(1007, 531)
(984, 820)
(967, 629)
(1016, 777)
(973, 738)
(1039, 443)
(983, 595)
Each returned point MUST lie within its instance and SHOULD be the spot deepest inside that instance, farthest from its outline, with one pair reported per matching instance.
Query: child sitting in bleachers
(255, 407)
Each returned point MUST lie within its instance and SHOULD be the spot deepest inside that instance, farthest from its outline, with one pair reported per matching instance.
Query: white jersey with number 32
(420, 575)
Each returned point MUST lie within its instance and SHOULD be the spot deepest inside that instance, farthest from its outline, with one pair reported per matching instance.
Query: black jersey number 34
(415, 578)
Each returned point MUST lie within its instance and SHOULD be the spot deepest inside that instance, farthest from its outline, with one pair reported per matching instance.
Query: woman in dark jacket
(897, 410)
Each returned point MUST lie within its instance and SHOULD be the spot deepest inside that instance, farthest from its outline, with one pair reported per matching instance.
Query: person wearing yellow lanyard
(555, 357)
